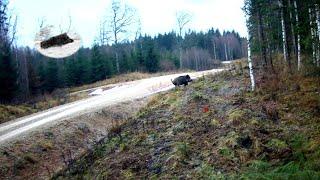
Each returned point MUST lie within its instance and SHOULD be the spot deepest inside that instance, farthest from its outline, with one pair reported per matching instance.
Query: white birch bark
(225, 51)
(298, 35)
(214, 50)
(230, 52)
(318, 24)
(284, 34)
(312, 37)
(318, 19)
(250, 58)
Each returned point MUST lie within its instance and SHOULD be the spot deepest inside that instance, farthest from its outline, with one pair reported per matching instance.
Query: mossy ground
(216, 128)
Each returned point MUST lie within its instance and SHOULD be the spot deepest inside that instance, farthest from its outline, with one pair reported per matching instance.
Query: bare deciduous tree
(104, 35)
(122, 17)
(197, 59)
(139, 30)
(183, 18)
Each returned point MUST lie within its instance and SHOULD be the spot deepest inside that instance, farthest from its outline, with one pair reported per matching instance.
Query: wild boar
(181, 80)
(59, 40)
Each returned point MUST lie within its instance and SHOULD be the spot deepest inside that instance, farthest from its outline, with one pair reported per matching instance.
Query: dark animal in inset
(58, 40)
(181, 80)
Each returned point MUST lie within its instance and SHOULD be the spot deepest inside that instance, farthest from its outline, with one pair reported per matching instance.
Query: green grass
(291, 170)
(8, 112)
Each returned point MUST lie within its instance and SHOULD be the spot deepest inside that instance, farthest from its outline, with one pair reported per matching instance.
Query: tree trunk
(250, 65)
(269, 50)
(197, 60)
(116, 49)
(298, 35)
(23, 74)
(180, 57)
(250, 58)
(314, 55)
(214, 50)
(293, 36)
(230, 52)
(117, 61)
(318, 24)
(284, 35)
(262, 40)
(225, 51)
(116, 42)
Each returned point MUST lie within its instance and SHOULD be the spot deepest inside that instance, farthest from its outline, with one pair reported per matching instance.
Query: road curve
(121, 93)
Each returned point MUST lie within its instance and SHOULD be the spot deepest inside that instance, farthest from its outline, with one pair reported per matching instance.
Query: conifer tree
(97, 65)
(8, 70)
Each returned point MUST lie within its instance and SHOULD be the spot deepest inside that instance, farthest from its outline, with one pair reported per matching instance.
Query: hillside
(215, 128)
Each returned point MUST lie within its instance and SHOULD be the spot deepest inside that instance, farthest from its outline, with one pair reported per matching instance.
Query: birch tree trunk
(214, 50)
(116, 49)
(298, 35)
(284, 34)
(117, 61)
(230, 52)
(225, 51)
(122, 17)
(318, 31)
(250, 58)
(312, 37)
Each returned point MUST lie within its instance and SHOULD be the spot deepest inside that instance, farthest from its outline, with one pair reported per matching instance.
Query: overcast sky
(157, 16)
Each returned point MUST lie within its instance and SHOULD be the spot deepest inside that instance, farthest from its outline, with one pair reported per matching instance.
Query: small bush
(198, 96)
(277, 144)
(237, 114)
(226, 152)
(183, 150)
(214, 123)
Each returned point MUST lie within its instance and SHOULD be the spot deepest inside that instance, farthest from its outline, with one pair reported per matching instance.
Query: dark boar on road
(181, 80)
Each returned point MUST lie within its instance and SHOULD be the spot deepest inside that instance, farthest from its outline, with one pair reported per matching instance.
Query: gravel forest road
(120, 93)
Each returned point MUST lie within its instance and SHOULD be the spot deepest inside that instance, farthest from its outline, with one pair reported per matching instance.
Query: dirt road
(120, 93)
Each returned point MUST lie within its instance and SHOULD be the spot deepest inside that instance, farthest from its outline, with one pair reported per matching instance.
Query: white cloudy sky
(157, 16)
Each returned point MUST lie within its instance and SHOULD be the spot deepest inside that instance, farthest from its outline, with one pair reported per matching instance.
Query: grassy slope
(215, 128)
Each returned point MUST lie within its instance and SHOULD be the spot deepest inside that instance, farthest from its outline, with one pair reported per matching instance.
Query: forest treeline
(25, 73)
(287, 27)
